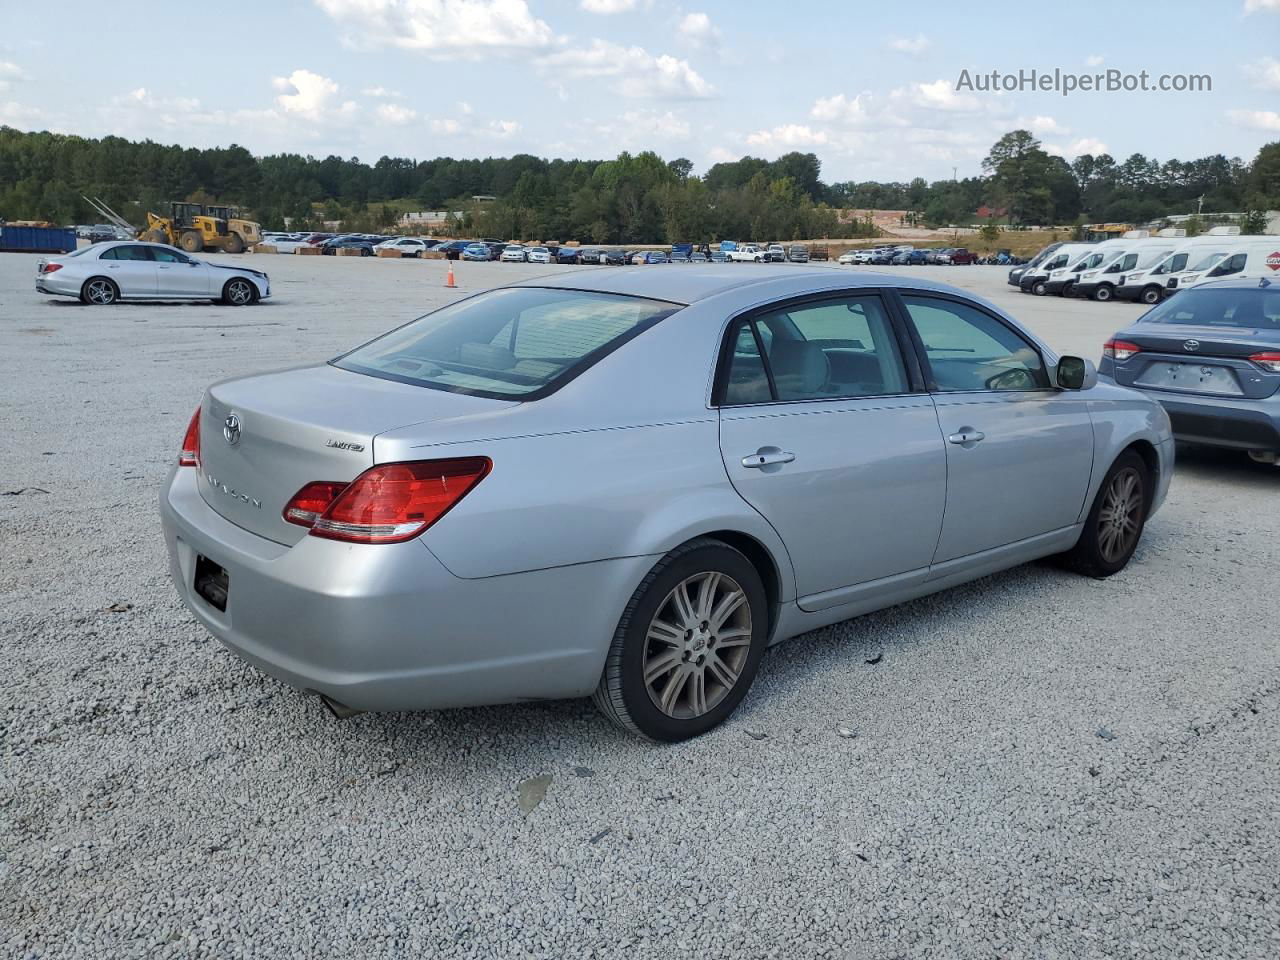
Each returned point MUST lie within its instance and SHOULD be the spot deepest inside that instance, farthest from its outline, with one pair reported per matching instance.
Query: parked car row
(906, 255)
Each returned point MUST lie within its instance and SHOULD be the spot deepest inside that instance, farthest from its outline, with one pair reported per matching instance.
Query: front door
(178, 275)
(821, 432)
(1019, 453)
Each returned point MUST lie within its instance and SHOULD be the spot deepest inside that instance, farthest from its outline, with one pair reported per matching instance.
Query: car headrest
(800, 368)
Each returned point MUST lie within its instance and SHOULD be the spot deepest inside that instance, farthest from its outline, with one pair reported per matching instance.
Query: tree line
(632, 198)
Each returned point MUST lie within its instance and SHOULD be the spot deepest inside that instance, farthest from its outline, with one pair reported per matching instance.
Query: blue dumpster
(37, 239)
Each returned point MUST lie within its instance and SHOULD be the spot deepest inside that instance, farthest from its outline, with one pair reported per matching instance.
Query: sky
(871, 88)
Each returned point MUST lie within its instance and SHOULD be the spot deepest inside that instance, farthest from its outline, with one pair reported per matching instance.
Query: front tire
(688, 645)
(99, 291)
(1150, 295)
(234, 244)
(1104, 293)
(1116, 520)
(238, 292)
(1039, 288)
(191, 242)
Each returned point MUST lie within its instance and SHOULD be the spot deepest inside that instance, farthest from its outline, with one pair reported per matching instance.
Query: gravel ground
(1034, 765)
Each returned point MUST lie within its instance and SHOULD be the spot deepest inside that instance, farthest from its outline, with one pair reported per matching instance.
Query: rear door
(178, 275)
(822, 432)
(131, 268)
(1019, 453)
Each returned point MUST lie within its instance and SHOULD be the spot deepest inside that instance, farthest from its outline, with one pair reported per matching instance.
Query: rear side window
(968, 349)
(519, 343)
(825, 350)
(126, 253)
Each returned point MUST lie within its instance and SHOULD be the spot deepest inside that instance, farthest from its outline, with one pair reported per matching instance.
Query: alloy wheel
(239, 293)
(100, 291)
(1120, 519)
(697, 645)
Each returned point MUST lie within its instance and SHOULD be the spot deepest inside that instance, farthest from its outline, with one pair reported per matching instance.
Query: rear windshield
(1257, 308)
(518, 343)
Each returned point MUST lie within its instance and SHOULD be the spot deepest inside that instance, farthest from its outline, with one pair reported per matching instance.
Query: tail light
(51, 267)
(1120, 350)
(311, 501)
(190, 455)
(388, 503)
(1267, 361)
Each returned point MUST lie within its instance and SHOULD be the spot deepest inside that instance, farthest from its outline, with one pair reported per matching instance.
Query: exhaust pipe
(340, 710)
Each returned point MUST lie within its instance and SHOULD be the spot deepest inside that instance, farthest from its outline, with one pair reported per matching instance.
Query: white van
(1100, 283)
(1149, 285)
(1063, 280)
(1034, 281)
(1251, 258)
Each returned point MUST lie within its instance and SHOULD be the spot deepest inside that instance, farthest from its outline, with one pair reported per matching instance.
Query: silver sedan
(108, 272)
(629, 484)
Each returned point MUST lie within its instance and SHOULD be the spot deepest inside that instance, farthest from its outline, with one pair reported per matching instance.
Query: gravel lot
(1035, 765)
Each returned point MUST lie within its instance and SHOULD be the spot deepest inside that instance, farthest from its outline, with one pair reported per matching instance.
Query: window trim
(724, 360)
(898, 293)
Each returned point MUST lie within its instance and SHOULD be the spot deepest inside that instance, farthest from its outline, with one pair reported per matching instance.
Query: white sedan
(408, 246)
(107, 272)
(539, 255)
(514, 253)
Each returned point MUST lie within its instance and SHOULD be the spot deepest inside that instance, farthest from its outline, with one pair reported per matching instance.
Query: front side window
(826, 350)
(1233, 264)
(968, 349)
(1209, 261)
(165, 255)
(519, 343)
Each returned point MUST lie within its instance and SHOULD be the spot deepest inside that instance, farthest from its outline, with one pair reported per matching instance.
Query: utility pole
(1199, 204)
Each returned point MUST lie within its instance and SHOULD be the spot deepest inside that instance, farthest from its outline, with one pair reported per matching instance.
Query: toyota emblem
(231, 429)
(1191, 345)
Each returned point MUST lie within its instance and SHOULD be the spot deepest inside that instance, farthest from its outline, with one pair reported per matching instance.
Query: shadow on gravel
(1235, 466)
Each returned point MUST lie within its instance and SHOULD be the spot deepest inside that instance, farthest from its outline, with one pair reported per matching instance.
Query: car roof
(686, 287)
(1238, 283)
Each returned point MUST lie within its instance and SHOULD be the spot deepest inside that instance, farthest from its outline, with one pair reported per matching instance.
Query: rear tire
(1116, 520)
(688, 644)
(99, 291)
(191, 242)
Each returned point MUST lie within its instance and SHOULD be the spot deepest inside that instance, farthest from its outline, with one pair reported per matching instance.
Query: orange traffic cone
(449, 282)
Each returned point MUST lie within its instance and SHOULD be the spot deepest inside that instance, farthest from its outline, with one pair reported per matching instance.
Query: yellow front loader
(190, 227)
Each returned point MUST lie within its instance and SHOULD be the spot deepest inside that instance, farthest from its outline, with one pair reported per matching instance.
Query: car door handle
(966, 435)
(766, 456)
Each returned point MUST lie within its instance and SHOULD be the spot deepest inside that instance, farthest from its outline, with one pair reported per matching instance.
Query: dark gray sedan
(1211, 356)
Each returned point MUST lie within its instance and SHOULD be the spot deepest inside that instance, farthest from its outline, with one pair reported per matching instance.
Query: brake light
(51, 267)
(306, 506)
(394, 502)
(190, 455)
(1267, 361)
(1120, 350)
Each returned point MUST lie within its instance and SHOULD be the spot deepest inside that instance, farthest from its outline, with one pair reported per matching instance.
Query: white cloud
(1041, 125)
(695, 30)
(1250, 6)
(445, 29)
(913, 45)
(503, 129)
(642, 127)
(310, 95)
(1090, 145)
(607, 6)
(464, 108)
(394, 114)
(445, 126)
(839, 108)
(637, 72)
(721, 155)
(1264, 73)
(939, 95)
(1094, 60)
(383, 93)
(1267, 120)
(789, 136)
(10, 73)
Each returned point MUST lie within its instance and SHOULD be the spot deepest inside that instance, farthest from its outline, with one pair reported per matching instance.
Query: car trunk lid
(263, 438)
(1198, 359)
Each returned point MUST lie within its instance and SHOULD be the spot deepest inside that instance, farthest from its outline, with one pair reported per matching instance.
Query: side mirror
(1076, 373)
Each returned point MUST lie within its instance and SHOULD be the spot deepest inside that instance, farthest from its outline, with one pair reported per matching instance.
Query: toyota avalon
(628, 484)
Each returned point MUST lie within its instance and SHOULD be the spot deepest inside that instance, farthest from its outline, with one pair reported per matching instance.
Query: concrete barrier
(349, 252)
(307, 251)
(390, 253)
(263, 248)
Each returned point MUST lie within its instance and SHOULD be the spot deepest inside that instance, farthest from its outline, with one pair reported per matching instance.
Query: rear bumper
(1235, 423)
(387, 627)
(48, 283)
